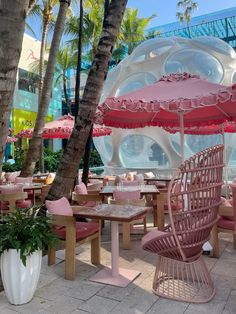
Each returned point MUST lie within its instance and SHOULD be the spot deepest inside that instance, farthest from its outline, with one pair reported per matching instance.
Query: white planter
(20, 281)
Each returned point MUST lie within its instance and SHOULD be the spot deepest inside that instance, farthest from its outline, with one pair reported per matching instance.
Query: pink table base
(115, 276)
(124, 277)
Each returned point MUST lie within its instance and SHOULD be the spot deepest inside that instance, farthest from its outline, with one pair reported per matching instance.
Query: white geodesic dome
(151, 147)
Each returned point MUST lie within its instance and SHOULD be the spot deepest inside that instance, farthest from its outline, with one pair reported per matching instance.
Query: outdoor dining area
(163, 230)
(147, 234)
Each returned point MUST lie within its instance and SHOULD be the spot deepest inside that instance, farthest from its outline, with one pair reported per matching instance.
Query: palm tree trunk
(66, 94)
(34, 147)
(68, 167)
(87, 158)
(41, 72)
(78, 69)
(42, 56)
(12, 25)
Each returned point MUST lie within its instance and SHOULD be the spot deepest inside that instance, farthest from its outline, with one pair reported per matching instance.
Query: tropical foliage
(26, 232)
(188, 7)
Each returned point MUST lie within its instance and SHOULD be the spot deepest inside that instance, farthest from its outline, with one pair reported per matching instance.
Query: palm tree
(92, 26)
(188, 7)
(44, 10)
(12, 25)
(35, 143)
(133, 28)
(66, 60)
(67, 170)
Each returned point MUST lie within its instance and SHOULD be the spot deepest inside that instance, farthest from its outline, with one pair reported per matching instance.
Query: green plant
(26, 232)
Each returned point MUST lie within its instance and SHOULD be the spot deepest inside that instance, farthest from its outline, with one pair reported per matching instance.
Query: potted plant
(24, 235)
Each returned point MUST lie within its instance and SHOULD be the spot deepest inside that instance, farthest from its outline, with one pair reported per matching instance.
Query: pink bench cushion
(23, 203)
(225, 223)
(81, 188)
(11, 189)
(173, 206)
(24, 180)
(151, 236)
(83, 230)
(59, 207)
(126, 195)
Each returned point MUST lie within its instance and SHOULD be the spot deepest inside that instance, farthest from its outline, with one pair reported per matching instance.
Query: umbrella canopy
(62, 128)
(201, 102)
(227, 127)
(11, 139)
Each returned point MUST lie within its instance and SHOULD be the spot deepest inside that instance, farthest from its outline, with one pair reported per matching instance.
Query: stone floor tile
(64, 305)
(166, 306)
(225, 267)
(116, 293)
(37, 305)
(138, 301)
(215, 306)
(84, 290)
(98, 304)
(231, 304)
(223, 286)
(5, 310)
(52, 291)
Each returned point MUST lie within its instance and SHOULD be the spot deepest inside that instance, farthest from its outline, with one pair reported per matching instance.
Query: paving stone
(231, 304)
(52, 291)
(37, 305)
(99, 305)
(138, 301)
(116, 293)
(223, 286)
(5, 310)
(84, 290)
(56, 295)
(166, 306)
(64, 305)
(215, 306)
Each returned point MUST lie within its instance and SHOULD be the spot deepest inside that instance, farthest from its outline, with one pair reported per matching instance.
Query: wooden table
(32, 187)
(115, 213)
(158, 217)
(154, 179)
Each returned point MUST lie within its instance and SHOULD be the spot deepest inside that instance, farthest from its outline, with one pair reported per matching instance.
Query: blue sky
(166, 13)
(166, 9)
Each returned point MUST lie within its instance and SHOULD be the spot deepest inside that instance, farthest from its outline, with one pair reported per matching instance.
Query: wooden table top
(112, 212)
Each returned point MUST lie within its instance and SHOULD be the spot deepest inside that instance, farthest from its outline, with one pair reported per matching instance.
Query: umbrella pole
(181, 123)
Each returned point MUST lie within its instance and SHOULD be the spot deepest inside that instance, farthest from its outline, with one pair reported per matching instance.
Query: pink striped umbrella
(11, 139)
(62, 128)
(178, 100)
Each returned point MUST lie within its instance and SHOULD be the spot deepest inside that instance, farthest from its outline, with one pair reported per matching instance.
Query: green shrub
(26, 232)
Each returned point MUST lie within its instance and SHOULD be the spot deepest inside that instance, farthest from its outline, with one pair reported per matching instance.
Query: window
(28, 81)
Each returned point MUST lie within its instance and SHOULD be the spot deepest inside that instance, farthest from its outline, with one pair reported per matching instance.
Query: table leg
(115, 276)
(155, 216)
(114, 248)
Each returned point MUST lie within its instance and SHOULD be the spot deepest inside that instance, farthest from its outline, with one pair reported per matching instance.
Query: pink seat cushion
(90, 204)
(10, 189)
(126, 195)
(83, 230)
(81, 188)
(225, 223)
(151, 236)
(59, 207)
(173, 206)
(4, 205)
(227, 203)
(24, 180)
(23, 204)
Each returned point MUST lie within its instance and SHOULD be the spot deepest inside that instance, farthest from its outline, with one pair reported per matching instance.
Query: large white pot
(20, 281)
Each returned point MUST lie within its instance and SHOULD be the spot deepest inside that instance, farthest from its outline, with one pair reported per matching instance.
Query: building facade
(25, 101)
